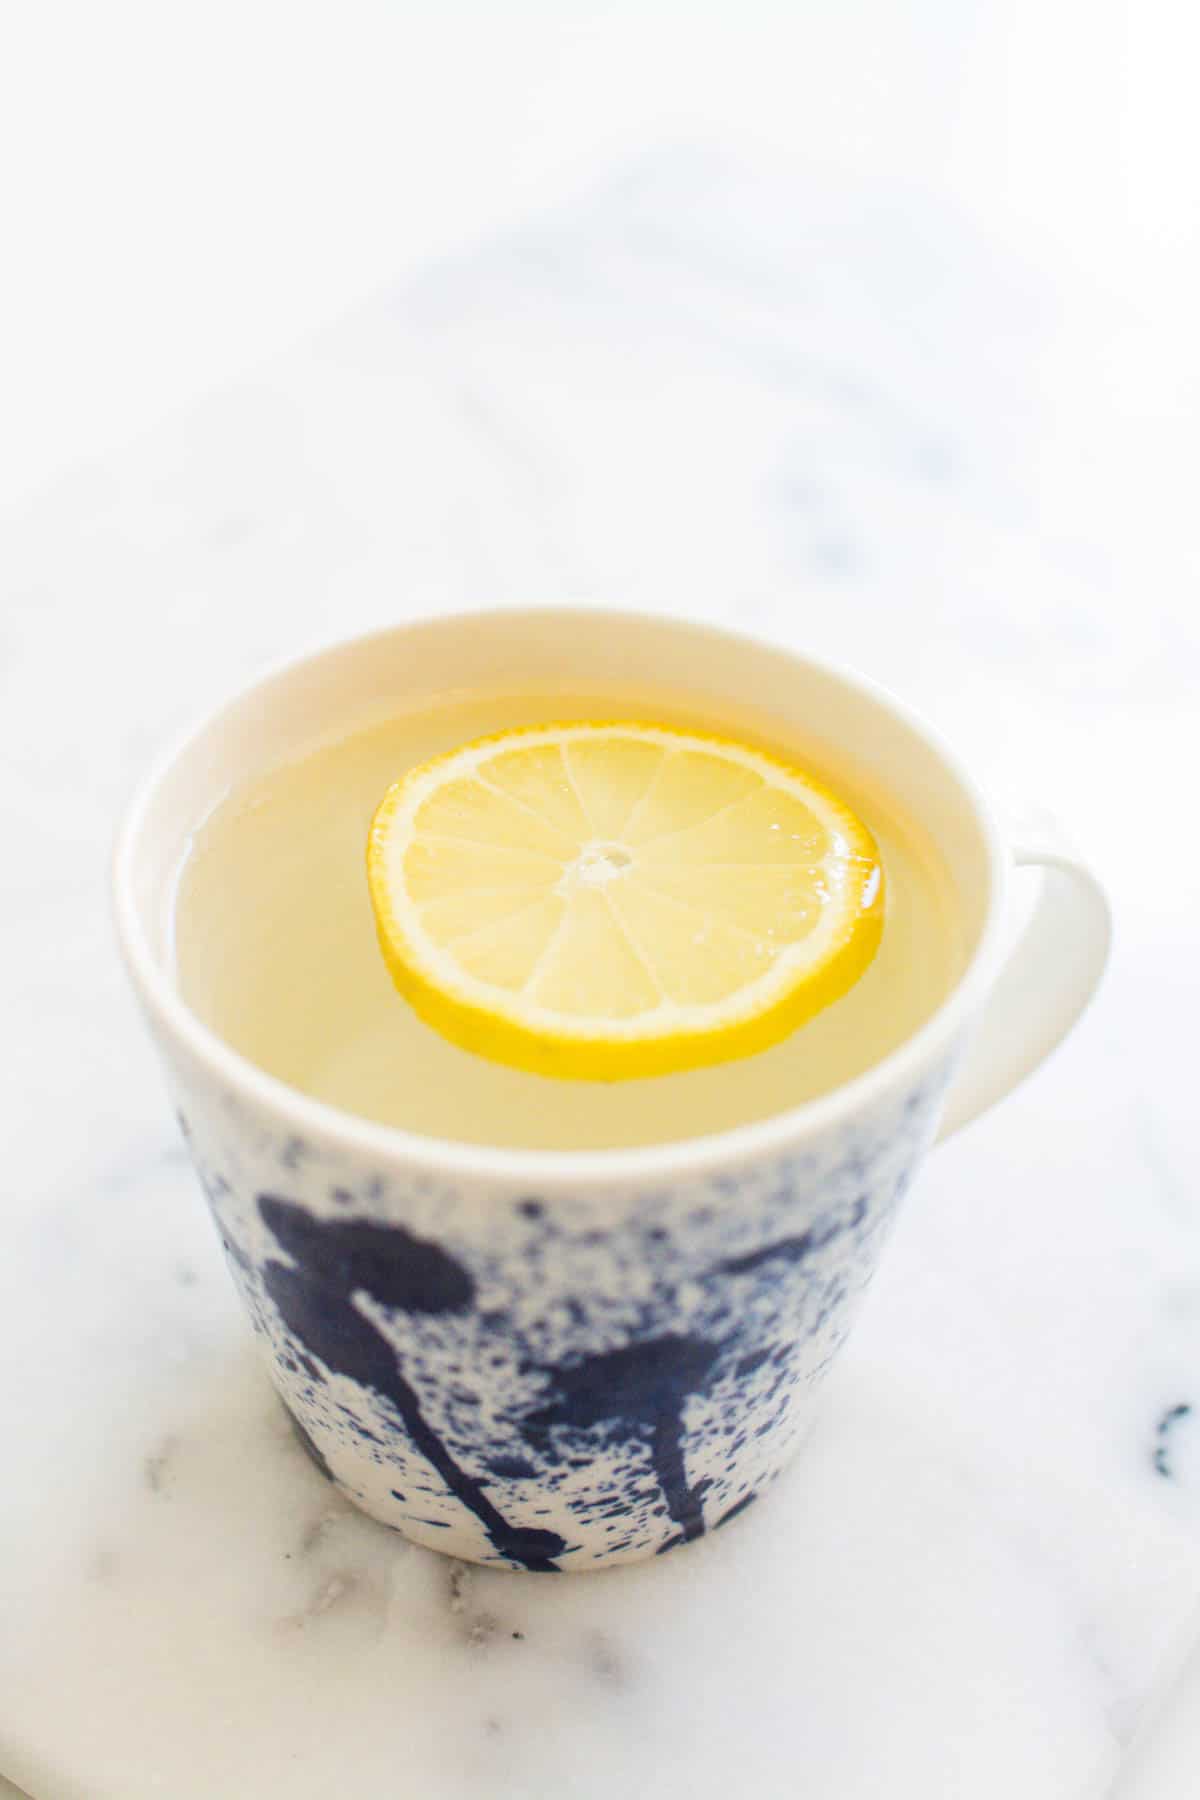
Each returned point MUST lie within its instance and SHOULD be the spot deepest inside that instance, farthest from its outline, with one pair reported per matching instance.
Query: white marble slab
(705, 388)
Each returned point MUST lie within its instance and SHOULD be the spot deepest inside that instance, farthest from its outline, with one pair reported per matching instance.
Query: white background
(186, 189)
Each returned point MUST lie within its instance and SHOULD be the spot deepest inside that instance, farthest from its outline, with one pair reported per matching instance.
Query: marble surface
(713, 387)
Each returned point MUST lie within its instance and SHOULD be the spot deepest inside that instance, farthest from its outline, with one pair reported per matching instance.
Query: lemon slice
(613, 900)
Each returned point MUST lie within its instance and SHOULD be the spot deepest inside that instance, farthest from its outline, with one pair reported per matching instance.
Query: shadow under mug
(560, 1360)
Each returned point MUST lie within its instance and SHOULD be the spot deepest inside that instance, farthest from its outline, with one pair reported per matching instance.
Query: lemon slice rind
(540, 903)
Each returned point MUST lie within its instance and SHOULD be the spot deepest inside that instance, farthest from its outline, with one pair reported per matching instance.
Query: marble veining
(749, 395)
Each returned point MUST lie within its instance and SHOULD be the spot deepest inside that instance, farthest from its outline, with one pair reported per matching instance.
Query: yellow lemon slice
(612, 900)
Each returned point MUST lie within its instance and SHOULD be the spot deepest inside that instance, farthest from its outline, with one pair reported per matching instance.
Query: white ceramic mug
(565, 1359)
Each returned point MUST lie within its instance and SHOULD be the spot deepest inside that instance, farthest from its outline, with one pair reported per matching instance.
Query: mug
(557, 1360)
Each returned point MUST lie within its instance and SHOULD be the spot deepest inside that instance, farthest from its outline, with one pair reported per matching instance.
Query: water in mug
(275, 949)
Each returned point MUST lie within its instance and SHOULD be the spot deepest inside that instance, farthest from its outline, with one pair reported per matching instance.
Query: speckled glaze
(554, 1360)
(552, 1380)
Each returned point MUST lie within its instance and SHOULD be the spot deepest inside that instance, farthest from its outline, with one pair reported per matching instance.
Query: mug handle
(1051, 974)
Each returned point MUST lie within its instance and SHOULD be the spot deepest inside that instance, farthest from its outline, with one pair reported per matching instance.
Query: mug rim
(577, 1169)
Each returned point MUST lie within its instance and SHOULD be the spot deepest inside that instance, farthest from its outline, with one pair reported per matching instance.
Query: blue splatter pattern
(552, 1381)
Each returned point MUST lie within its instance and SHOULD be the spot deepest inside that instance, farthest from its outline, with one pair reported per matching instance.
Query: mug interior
(838, 723)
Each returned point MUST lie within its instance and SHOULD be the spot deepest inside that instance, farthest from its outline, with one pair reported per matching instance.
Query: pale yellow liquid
(276, 950)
